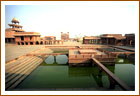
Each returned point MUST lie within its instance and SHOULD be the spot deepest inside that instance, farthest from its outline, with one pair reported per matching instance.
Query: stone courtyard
(13, 51)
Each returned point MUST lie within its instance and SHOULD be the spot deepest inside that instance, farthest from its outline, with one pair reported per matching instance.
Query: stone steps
(11, 61)
(22, 73)
(13, 70)
(13, 64)
(24, 76)
(20, 69)
(19, 72)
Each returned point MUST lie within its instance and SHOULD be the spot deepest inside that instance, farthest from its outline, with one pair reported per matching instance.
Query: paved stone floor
(72, 43)
(14, 51)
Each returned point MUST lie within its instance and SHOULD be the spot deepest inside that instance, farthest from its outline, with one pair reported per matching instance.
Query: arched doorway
(31, 43)
(26, 43)
(41, 43)
(37, 43)
(22, 43)
(18, 43)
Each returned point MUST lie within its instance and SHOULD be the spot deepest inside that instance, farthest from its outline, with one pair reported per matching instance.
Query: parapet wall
(64, 47)
(77, 58)
(80, 56)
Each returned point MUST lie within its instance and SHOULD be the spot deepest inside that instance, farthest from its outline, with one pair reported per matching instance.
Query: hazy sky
(78, 18)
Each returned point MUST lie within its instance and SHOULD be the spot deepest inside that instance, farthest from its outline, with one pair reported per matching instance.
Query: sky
(85, 18)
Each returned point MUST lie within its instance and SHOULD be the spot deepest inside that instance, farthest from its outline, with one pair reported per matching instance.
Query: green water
(112, 50)
(60, 50)
(54, 75)
(59, 59)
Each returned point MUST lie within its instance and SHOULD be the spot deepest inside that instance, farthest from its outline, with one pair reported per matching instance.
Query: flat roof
(27, 34)
(91, 37)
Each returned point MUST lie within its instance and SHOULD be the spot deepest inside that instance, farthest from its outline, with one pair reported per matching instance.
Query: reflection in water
(50, 60)
(93, 72)
(59, 59)
(60, 76)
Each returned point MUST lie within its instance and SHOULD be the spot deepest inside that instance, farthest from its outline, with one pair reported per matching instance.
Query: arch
(31, 43)
(22, 43)
(41, 43)
(37, 43)
(18, 43)
(26, 43)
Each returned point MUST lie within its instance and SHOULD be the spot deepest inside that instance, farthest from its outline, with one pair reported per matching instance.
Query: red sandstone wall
(9, 34)
(17, 39)
(27, 38)
(86, 41)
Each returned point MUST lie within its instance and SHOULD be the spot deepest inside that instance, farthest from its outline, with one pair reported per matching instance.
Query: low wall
(63, 47)
(80, 56)
(110, 54)
(81, 48)
(86, 59)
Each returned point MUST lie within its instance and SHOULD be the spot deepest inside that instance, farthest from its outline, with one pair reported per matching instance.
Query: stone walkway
(19, 69)
(70, 43)
(43, 51)
(12, 52)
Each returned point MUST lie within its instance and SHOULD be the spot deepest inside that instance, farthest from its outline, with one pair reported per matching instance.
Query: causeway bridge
(113, 79)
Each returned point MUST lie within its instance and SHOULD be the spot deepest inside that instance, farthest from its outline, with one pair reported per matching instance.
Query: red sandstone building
(130, 39)
(91, 40)
(27, 38)
(15, 34)
(52, 40)
(9, 32)
(65, 36)
(112, 39)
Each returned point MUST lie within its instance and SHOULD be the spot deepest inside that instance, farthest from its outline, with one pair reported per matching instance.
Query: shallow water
(59, 59)
(59, 75)
(113, 50)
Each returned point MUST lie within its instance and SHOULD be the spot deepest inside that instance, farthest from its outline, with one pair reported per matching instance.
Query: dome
(15, 20)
